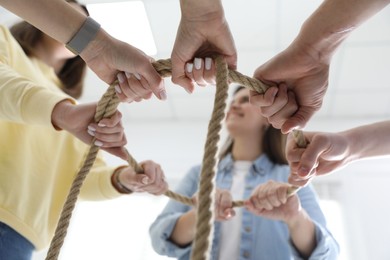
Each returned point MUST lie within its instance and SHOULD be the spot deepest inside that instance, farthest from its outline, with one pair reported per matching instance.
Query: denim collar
(262, 165)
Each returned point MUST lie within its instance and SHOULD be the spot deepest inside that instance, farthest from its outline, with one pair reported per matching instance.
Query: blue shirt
(261, 238)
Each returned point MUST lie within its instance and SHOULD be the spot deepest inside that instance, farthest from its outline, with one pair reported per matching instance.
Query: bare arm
(270, 200)
(304, 65)
(333, 21)
(106, 56)
(302, 233)
(203, 32)
(328, 152)
(184, 231)
(369, 140)
(52, 17)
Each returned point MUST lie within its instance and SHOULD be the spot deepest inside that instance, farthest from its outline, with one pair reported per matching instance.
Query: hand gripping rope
(204, 221)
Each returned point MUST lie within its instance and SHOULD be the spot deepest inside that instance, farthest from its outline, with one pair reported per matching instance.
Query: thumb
(142, 179)
(298, 120)
(309, 159)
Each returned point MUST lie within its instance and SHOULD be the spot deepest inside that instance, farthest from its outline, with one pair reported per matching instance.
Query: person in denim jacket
(253, 167)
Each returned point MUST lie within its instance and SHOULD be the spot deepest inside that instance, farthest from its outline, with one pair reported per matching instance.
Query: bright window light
(126, 21)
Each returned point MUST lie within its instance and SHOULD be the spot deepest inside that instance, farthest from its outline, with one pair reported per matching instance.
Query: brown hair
(273, 144)
(71, 74)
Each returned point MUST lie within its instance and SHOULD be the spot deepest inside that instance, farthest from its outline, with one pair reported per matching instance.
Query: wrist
(355, 148)
(86, 33)
(201, 10)
(96, 46)
(60, 113)
(293, 222)
(319, 42)
(117, 183)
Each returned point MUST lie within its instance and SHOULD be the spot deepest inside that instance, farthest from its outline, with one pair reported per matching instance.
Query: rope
(107, 106)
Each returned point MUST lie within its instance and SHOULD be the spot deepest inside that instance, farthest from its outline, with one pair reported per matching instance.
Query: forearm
(55, 17)
(184, 231)
(369, 140)
(198, 9)
(59, 114)
(332, 23)
(302, 233)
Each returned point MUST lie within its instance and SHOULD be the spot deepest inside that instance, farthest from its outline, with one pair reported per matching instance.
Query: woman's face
(243, 118)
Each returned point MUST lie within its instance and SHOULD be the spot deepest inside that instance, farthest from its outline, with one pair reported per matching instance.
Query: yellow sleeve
(22, 100)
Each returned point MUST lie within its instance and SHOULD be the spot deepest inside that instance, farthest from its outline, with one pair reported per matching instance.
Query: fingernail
(198, 63)
(128, 74)
(163, 94)
(188, 91)
(101, 125)
(118, 89)
(137, 75)
(189, 67)
(229, 215)
(91, 133)
(91, 128)
(145, 180)
(207, 63)
(98, 143)
(303, 171)
(120, 77)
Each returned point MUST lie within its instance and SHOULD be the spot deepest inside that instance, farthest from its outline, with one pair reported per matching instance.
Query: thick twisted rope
(107, 107)
(205, 209)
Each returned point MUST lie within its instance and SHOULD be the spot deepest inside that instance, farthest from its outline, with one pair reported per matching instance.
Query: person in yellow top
(38, 160)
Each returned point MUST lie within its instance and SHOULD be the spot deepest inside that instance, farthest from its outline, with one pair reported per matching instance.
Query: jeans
(13, 246)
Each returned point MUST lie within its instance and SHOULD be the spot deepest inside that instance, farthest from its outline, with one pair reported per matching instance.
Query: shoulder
(6, 41)
(10, 50)
(194, 172)
(4, 31)
(6, 36)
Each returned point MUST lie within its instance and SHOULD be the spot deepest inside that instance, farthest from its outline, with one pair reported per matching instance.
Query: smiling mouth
(237, 114)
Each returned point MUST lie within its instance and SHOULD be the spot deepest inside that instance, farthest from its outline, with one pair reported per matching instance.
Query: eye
(244, 100)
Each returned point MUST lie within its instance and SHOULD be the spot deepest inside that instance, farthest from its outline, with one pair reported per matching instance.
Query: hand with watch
(109, 58)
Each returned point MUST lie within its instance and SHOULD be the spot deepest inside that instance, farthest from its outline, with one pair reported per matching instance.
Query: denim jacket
(261, 238)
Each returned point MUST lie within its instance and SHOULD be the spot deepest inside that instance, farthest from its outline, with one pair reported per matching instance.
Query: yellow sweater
(37, 163)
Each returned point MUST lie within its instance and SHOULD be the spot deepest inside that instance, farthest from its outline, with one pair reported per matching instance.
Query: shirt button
(246, 254)
(248, 229)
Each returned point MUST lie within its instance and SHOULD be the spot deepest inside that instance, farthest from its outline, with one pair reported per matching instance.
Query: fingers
(179, 76)
(298, 181)
(298, 120)
(132, 87)
(304, 161)
(264, 100)
(141, 83)
(201, 71)
(267, 197)
(153, 179)
(109, 132)
(277, 104)
(223, 205)
(154, 81)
